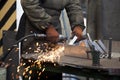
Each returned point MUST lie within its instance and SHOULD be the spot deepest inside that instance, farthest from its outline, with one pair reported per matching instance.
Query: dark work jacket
(39, 13)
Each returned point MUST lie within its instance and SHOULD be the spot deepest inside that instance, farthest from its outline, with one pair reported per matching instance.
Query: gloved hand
(52, 34)
(78, 32)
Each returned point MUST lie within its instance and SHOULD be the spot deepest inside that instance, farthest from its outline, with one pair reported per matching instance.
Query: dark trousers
(45, 76)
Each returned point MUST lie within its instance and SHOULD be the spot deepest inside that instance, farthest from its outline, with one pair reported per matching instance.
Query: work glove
(78, 32)
(52, 34)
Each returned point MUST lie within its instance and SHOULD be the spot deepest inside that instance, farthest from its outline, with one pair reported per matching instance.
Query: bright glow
(46, 53)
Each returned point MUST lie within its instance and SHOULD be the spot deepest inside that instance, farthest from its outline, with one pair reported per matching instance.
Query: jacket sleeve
(75, 14)
(35, 13)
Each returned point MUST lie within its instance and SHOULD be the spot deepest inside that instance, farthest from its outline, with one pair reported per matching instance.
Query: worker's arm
(75, 14)
(35, 13)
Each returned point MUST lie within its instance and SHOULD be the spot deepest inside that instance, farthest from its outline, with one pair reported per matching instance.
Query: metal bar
(110, 48)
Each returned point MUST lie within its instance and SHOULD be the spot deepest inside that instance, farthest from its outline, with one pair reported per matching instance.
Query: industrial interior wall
(7, 18)
(111, 18)
(103, 22)
(104, 19)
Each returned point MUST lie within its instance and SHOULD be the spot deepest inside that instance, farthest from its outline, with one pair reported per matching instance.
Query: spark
(46, 53)
(30, 71)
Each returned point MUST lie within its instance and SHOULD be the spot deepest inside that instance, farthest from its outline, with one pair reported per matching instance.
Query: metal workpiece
(76, 51)
(69, 50)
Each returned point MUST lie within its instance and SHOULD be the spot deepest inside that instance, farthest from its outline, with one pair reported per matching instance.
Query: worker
(42, 16)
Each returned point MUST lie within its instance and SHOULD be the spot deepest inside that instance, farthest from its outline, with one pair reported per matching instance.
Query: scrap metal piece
(72, 41)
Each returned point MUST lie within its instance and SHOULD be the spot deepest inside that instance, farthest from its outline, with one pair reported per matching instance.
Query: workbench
(79, 64)
(109, 69)
(76, 61)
